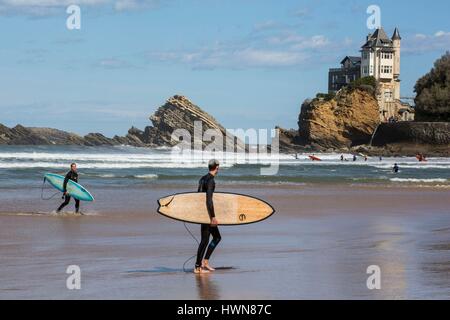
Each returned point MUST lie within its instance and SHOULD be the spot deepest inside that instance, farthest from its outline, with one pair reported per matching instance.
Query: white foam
(122, 158)
(146, 176)
(418, 180)
(98, 165)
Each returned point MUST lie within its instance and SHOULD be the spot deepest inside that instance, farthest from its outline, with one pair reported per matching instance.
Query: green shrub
(368, 84)
(433, 92)
(326, 96)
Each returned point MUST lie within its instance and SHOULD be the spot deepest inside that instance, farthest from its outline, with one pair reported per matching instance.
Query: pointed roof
(396, 35)
(354, 60)
(378, 39)
(380, 34)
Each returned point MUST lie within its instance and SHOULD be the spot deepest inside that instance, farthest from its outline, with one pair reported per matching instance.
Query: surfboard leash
(42, 191)
(196, 240)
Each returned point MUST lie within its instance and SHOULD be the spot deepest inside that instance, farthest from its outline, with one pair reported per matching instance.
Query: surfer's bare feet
(200, 270)
(206, 265)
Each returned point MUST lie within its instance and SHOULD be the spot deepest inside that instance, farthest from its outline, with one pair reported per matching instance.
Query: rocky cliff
(180, 113)
(177, 113)
(410, 138)
(345, 121)
(20, 135)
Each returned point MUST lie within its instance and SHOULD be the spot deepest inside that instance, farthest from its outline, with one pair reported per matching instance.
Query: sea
(122, 166)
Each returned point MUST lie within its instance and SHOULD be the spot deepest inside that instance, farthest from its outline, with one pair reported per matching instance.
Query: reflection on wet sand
(207, 288)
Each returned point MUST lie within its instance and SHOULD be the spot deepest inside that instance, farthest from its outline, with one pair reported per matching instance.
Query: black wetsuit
(207, 184)
(71, 175)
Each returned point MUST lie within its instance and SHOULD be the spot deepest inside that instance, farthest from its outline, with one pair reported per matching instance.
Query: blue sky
(250, 63)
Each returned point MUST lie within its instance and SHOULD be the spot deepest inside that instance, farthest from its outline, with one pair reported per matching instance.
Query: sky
(249, 63)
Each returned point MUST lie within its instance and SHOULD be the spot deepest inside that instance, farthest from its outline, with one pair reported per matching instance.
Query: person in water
(71, 175)
(396, 168)
(208, 185)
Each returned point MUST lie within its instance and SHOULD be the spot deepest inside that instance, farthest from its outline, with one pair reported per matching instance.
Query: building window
(388, 95)
(386, 55)
(386, 69)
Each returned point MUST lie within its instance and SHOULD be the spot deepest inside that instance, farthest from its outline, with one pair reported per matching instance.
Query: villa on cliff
(380, 58)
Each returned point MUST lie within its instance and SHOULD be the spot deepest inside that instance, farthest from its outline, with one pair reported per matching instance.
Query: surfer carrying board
(71, 175)
(208, 185)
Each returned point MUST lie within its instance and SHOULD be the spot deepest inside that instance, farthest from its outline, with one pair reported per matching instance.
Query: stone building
(380, 58)
(349, 71)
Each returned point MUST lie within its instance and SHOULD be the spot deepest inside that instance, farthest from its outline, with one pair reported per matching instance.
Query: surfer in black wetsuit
(396, 168)
(71, 175)
(208, 185)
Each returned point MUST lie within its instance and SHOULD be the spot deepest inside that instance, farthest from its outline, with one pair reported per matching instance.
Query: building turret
(396, 35)
(396, 42)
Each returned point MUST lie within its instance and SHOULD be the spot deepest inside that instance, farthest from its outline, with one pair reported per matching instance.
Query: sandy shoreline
(317, 245)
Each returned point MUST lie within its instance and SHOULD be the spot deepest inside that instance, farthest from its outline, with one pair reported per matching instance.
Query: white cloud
(420, 36)
(266, 50)
(232, 59)
(125, 5)
(421, 43)
(296, 41)
(441, 34)
(314, 42)
(49, 7)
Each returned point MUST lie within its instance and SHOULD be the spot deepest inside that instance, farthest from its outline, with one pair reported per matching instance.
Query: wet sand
(318, 245)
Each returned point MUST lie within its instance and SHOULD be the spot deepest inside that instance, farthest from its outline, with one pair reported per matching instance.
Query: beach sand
(318, 244)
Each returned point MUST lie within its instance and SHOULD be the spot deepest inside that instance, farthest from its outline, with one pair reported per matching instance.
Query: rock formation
(410, 138)
(20, 135)
(177, 113)
(180, 113)
(347, 120)
(289, 141)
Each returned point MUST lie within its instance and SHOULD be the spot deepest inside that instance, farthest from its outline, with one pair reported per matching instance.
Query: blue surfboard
(73, 189)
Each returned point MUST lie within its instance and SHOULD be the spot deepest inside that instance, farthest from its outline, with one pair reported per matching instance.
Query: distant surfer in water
(71, 175)
(208, 185)
(396, 168)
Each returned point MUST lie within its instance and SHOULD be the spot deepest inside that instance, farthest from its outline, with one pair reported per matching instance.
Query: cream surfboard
(230, 208)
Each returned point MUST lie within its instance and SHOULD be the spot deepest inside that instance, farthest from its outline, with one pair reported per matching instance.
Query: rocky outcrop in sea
(410, 138)
(345, 121)
(177, 113)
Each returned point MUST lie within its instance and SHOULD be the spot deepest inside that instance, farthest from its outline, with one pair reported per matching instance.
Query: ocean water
(24, 166)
